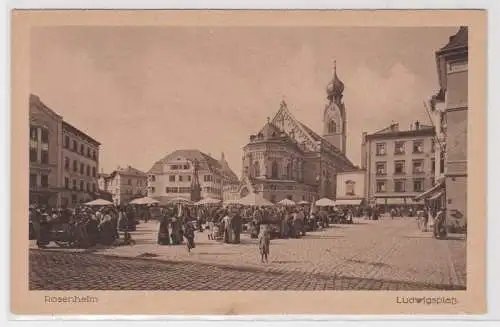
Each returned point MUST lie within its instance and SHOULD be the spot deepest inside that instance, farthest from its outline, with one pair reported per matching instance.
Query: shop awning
(437, 195)
(348, 202)
(430, 192)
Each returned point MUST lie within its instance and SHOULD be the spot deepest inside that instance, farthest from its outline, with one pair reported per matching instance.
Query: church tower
(334, 116)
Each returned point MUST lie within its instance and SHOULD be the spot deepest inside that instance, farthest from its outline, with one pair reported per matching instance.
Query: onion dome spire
(335, 88)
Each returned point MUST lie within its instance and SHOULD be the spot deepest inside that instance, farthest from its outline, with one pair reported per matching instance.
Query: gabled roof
(205, 161)
(270, 130)
(313, 136)
(227, 170)
(129, 171)
(393, 131)
(457, 41)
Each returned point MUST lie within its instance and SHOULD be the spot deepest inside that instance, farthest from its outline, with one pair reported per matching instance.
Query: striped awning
(430, 192)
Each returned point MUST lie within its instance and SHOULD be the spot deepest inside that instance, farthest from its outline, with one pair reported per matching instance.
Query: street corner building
(449, 112)
(124, 184)
(184, 172)
(63, 160)
(399, 164)
(287, 159)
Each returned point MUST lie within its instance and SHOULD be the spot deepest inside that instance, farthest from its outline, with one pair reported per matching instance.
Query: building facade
(44, 153)
(124, 184)
(63, 159)
(173, 176)
(350, 187)
(80, 164)
(399, 164)
(452, 67)
(287, 159)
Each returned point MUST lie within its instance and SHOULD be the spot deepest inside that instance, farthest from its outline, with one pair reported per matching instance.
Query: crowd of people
(86, 226)
(82, 226)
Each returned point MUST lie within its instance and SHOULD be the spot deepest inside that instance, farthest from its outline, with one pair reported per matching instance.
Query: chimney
(222, 156)
(417, 125)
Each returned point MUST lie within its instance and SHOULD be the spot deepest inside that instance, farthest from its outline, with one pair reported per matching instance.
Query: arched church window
(274, 170)
(256, 169)
(332, 127)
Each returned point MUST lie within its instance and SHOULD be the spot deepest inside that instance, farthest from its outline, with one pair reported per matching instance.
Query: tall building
(173, 176)
(450, 107)
(124, 184)
(287, 159)
(399, 164)
(80, 163)
(44, 155)
(63, 159)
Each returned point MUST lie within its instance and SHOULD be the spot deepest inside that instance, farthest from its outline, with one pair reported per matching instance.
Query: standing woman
(189, 235)
(163, 232)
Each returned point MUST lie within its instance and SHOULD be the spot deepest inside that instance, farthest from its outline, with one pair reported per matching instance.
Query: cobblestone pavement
(370, 255)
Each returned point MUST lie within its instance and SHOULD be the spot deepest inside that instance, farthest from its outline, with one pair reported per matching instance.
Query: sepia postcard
(248, 162)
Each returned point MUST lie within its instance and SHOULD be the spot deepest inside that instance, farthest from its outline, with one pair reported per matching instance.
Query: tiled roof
(131, 171)
(459, 40)
(318, 138)
(270, 130)
(205, 161)
(313, 134)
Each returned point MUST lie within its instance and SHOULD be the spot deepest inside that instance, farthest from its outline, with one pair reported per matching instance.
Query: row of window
(177, 189)
(275, 171)
(187, 178)
(44, 181)
(400, 147)
(89, 153)
(83, 169)
(131, 192)
(400, 186)
(39, 145)
(400, 167)
(39, 133)
(89, 187)
(178, 167)
(185, 189)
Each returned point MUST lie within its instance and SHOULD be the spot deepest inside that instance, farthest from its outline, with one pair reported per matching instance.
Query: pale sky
(144, 92)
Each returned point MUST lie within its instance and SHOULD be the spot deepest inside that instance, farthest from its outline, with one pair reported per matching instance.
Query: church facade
(287, 159)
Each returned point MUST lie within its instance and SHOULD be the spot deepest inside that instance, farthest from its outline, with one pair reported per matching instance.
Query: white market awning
(349, 202)
(287, 202)
(325, 202)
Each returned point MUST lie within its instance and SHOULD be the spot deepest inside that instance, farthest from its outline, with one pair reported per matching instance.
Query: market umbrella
(207, 201)
(254, 199)
(99, 202)
(287, 202)
(325, 202)
(303, 202)
(144, 200)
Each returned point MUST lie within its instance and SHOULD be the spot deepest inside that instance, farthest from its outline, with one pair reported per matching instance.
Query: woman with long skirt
(163, 232)
(189, 235)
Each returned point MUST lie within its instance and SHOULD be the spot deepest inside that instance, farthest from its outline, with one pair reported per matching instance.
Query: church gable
(287, 123)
